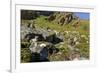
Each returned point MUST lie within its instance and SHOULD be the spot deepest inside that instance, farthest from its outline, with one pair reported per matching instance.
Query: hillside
(64, 35)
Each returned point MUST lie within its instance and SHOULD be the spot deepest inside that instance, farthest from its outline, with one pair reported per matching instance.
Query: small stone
(77, 43)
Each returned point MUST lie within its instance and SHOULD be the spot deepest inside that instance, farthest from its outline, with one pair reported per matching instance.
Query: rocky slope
(57, 36)
(62, 18)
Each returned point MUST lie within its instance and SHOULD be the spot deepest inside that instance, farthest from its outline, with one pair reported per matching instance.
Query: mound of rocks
(62, 18)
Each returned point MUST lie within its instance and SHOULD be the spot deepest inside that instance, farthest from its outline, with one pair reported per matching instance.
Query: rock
(62, 18)
(33, 47)
(56, 32)
(74, 56)
(51, 17)
(71, 48)
(42, 45)
(36, 48)
(26, 30)
(76, 23)
(44, 52)
(59, 53)
(75, 39)
(71, 41)
(34, 39)
(53, 39)
(75, 59)
(77, 43)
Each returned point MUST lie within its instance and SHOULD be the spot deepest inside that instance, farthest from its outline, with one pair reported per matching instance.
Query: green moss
(84, 50)
(25, 55)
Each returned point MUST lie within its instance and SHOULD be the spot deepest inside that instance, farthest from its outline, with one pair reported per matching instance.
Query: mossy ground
(82, 29)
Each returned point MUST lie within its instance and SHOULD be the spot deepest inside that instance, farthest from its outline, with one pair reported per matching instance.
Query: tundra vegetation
(53, 36)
